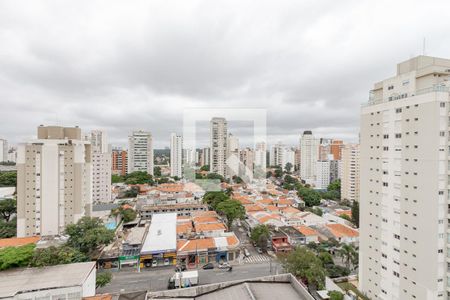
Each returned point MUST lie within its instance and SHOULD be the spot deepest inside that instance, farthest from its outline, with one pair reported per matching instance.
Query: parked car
(166, 262)
(154, 263)
(259, 250)
(224, 265)
(246, 252)
(208, 266)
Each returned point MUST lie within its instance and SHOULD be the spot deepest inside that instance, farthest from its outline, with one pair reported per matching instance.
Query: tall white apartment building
(350, 172)
(247, 158)
(219, 146)
(260, 158)
(288, 157)
(3, 150)
(276, 155)
(205, 156)
(12, 154)
(101, 167)
(404, 202)
(322, 174)
(140, 152)
(176, 155)
(309, 155)
(53, 181)
(233, 155)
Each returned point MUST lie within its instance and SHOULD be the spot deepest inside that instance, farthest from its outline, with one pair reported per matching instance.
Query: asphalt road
(157, 280)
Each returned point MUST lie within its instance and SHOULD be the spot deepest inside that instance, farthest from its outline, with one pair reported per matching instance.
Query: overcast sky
(127, 65)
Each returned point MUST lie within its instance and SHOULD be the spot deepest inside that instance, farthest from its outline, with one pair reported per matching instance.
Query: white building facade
(219, 146)
(404, 202)
(309, 155)
(350, 172)
(140, 152)
(176, 155)
(53, 181)
(3, 150)
(101, 167)
(322, 175)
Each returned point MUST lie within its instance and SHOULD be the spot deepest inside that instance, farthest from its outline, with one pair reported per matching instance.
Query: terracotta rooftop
(290, 210)
(197, 244)
(209, 227)
(184, 228)
(16, 242)
(99, 297)
(305, 230)
(340, 230)
(205, 219)
(249, 208)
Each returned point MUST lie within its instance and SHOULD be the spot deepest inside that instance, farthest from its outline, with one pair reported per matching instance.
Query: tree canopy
(117, 178)
(214, 198)
(259, 235)
(139, 177)
(305, 265)
(204, 168)
(8, 178)
(127, 214)
(16, 257)
(56, 256)
(88, 234)
(355, 213)
(310, 196)
(102, 279)
(335, 295)
(7, 208)
(8, 229)
(232, 210)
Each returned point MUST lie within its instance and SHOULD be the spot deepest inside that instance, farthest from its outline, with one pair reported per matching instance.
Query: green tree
(128, 215)
(232, 210)
(204, 168)
(310, 196)
(157, 171)
(8, 229)
(305, 265)
(102, 279)
(214, 198)
(259, 235)
(335, 295)
(139, 177)
(117, 178)
(215, 176)
(335, 186)
(315, 210)
(335, 271)
(56, 256)
(348, 254)
(88, 234)
(325, 258)
(16, 257)
(130, 193)
(237, 179)
(7, 208)
(278, 173)
(8, 178)
(355, 213)
(288, 167)
(229, 191)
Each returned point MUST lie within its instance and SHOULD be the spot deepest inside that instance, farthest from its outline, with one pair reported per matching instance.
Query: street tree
(355, 213)
(8, 178)
(8, 229)
(214, 198)
(232, 210)
(310, 196)
(335, 295)
(8, 207)
(305, 265)
(288, 167)
(348, 254)
(259, 235)
(88, 234)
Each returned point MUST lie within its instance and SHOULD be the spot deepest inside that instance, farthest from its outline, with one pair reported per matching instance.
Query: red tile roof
(15, 242)
(340, 230)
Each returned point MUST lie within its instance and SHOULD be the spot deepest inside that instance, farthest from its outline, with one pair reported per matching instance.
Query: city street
(157, 280)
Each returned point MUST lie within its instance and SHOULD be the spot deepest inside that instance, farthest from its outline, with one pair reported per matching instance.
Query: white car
(224, 265)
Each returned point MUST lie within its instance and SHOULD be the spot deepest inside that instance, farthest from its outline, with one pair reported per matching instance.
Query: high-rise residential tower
(404, 201)
(53, 181)
(101, 167)
(309, 155)
(260, 159)
(119, 163)
(350, 172)
(140, 152)
(176, 155)
(219, 146)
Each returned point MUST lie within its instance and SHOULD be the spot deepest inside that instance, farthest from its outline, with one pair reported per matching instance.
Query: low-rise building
(70, 281)
(147, 211)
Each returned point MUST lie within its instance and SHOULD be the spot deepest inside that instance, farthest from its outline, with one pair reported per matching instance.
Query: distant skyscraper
(247, 157)
(176, 155)
(101, 167)
(3, 150)
(219, 146)
(336, 149)
(350, 172)
(205, 156)
(53, 181)
(119, 162)
(140, 152)
(404, 203)
(309, 155)
(276, 154)
(12, 154)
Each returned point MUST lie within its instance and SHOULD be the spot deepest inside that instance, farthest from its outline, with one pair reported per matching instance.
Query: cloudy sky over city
(120, 66)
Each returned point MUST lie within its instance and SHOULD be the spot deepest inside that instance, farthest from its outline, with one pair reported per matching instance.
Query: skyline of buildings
(140, 152)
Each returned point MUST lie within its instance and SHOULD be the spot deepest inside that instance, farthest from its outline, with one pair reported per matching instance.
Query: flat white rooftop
(162, 235)
(33, 279)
